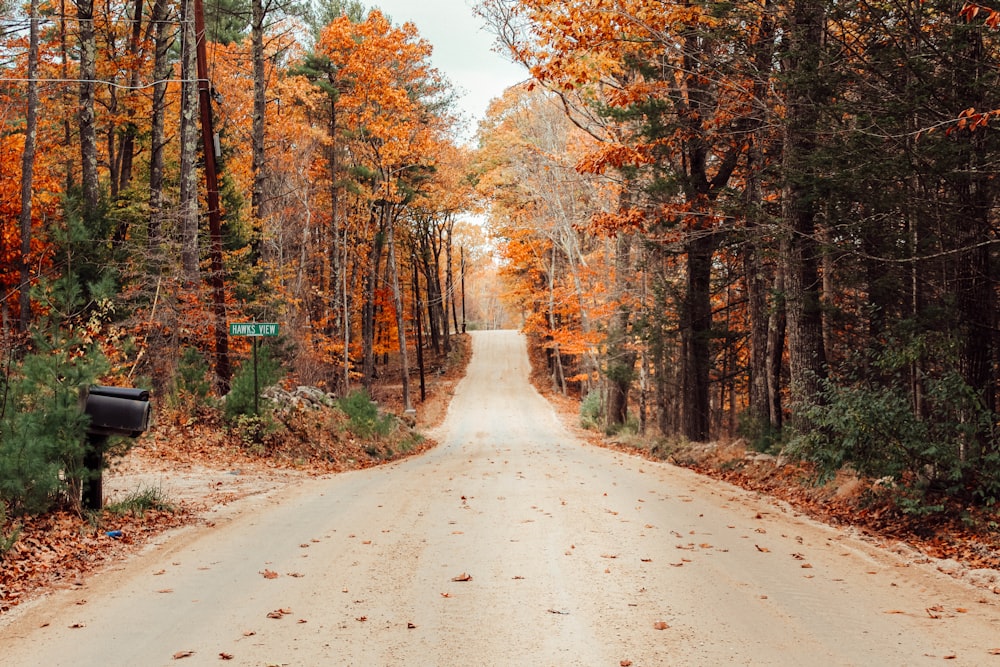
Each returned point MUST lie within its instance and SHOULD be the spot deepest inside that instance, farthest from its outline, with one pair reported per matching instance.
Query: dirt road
(510, 544)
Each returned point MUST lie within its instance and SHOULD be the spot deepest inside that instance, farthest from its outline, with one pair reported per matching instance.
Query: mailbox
(116, 410)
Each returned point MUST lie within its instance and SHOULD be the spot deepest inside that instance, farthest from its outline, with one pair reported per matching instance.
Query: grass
(140, 501)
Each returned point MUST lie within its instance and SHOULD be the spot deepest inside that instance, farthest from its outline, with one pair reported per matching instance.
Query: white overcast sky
(462, 50)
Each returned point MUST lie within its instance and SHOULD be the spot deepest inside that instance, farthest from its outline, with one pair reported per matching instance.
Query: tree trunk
(776, 325)
(620, 363)
(804, 93)
(28, 171)
(258, 195)
(127, 149)
(397, 298)
(368, 306)
(86, 116)
(190, 254)
(696, 338)
(755, 270)
(161, 70)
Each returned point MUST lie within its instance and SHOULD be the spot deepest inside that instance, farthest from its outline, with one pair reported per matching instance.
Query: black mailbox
(116, 410)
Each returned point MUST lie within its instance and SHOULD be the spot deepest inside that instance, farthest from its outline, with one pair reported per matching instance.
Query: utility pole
(463, 288)
(223, 372)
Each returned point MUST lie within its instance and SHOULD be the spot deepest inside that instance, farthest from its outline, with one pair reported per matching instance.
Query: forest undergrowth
(952, 531)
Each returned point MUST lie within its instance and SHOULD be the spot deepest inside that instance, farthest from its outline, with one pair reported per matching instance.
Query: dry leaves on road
(462, 577)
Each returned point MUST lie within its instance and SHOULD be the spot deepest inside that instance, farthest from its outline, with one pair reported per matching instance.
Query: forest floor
(181, 469)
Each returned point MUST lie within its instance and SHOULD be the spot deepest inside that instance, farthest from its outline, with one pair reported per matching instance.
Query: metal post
(93, 463)
(256, 391)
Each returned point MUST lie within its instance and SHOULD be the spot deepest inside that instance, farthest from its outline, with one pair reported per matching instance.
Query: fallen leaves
(56, 547)
(180, 655)
(225, 656)
(279, 613)
(660, 625)
(269, 574)
(462, 577)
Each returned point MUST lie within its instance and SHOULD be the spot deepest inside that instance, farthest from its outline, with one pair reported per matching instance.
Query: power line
(102, 82)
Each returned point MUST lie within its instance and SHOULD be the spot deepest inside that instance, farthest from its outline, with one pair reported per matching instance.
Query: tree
(28, 169)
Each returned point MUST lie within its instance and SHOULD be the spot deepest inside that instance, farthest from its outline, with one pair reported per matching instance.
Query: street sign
(253, 329)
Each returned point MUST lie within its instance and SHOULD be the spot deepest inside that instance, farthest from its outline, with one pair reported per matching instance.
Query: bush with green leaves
(365, 419)
(592, 410)
(872, 428)
(242, 398)
(42, 428)
(193, 386)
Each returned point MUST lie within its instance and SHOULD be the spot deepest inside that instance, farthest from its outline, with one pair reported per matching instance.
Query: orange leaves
(614, 156)
(972, 10)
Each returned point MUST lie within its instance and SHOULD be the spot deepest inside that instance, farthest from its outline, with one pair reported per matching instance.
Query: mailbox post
(113, 411)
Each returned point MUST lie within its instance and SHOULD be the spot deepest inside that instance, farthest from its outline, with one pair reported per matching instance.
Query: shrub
(242, 398)
(193, 384)
(42, 429)
(365, 419)
(873, 429)
(592, 410)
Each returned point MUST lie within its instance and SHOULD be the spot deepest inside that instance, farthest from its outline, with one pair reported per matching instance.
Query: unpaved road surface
(570, 555)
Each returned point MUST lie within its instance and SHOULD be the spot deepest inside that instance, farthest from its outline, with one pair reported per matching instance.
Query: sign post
(254, 330)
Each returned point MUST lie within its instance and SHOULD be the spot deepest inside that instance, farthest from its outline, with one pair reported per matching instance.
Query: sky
(462, 50)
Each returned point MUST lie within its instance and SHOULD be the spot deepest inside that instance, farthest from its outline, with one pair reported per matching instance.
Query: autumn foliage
(768, 220)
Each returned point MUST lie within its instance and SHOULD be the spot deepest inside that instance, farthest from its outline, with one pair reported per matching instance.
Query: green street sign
(253, 329)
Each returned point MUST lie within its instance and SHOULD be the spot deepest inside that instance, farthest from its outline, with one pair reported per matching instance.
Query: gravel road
(511, 543)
